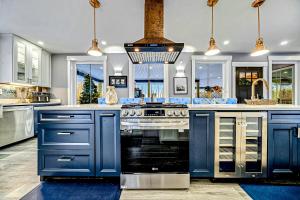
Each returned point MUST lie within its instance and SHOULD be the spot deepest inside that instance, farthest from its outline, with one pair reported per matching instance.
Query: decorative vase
(111, 96)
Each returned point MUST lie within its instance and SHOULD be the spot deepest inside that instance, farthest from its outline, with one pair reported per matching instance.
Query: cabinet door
(108, 143)
(282, 149)
(201, 144)
(35, 65)
(227, 144)
(254, 144)
(20, 61)
(46, 69)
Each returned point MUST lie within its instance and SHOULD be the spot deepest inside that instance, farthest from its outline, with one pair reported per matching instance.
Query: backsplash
(18, 92)
(8, 92)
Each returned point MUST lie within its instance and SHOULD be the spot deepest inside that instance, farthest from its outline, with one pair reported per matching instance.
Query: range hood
(154, 48)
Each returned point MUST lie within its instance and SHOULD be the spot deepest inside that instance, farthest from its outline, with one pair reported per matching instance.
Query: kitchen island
(84, 140)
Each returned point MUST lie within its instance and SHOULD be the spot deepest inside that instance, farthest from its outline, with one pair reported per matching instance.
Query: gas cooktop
(154, 105)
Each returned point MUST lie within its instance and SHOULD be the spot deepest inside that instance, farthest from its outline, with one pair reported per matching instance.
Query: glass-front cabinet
(21, 56)
(240, 144)
(35, 65)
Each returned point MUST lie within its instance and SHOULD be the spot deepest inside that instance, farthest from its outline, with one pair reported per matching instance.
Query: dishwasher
(16, 124)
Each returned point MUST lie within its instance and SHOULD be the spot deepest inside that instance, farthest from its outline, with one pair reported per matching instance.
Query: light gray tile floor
(18, 176)
(18, 170)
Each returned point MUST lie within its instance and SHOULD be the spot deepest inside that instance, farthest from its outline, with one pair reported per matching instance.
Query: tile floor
(18, 176)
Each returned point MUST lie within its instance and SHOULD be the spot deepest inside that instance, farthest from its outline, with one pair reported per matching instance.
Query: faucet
(254, 84)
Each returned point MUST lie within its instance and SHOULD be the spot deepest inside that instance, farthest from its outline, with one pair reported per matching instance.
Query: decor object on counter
(118, 81)
(111, 96)
(101, 101)
(180, 85)
(260, 48)
(95, 50)
(89, 92)
(212, 49)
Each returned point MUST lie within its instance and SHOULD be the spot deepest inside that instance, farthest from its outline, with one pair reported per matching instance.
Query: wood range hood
(154, 48)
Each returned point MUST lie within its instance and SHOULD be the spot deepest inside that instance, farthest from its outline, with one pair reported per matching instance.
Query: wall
(59, 71)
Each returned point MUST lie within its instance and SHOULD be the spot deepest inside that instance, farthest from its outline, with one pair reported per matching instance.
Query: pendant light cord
(212, 21)
(94, 23)
(258, 21)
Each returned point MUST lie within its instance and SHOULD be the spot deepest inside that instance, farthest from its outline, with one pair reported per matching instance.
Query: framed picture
(180, 85)
(118, 81)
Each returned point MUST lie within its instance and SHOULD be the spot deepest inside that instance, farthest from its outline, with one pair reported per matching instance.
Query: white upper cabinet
(22, 62)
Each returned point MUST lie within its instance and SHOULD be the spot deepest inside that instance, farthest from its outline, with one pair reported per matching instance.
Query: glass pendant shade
(260, 48)
(95, 50)
(212, 49)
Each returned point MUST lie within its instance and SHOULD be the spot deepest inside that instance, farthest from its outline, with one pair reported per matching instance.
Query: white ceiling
(65, 26)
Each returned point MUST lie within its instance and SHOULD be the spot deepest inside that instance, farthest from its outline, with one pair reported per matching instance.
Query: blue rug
(272, 192)
(74, 191)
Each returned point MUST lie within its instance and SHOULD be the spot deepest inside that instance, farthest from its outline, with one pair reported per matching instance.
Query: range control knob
(138, 112)
(176, 112)
(132, 112)
(170, 112)
(184, 112)
(124, 113)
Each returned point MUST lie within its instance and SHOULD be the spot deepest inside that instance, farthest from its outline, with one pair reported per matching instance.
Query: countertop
(213, 107)
(51, 103)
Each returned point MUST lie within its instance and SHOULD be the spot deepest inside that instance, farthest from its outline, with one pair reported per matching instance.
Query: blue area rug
(272, 192)
(74, 191)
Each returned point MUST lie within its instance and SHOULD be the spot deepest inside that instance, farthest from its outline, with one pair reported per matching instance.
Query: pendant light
(95, 50)
(212, 49)
(260, 48)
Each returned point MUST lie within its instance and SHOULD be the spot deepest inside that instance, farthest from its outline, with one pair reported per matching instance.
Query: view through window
(149, 80)
(89, 83)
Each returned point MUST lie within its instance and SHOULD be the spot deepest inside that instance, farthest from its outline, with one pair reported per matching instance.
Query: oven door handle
(154, 124)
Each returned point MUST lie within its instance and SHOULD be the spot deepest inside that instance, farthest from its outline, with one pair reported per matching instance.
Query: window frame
(72, 73)
(226, 71)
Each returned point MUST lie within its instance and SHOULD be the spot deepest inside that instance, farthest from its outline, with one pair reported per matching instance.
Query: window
(149, 80)
(208, 80)
(283, 83)
(89, 83)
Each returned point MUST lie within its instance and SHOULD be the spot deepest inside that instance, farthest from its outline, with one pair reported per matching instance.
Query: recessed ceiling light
(226, 42)
(40, 42)
(283, 43)
(103, 42)
(200, 67)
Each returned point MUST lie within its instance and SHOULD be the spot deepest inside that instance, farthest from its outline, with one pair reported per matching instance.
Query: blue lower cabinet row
(90, 147)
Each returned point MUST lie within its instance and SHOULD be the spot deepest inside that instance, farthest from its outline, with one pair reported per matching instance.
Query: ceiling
(65, 26)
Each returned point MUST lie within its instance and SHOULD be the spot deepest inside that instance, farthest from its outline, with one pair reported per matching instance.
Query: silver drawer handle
(65, 116)
(64, 159)
(64, 133)
(202, 115)
(107, 115)
(299, 133)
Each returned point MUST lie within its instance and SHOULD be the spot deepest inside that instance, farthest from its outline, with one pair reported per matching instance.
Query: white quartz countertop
(215, 107)
(52, 102)
(82, 107)
(243, 107)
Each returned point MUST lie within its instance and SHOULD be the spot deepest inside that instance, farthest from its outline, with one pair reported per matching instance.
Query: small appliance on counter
(40, 97)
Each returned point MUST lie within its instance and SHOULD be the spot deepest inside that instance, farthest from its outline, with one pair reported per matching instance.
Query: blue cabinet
(284, 143)
(201, 158)
(108, 143)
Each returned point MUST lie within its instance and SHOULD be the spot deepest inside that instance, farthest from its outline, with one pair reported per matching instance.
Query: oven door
(155, 147)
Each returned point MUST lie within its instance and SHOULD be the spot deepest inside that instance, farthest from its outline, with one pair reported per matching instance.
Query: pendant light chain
(94, 23)
(258, 21)
(212, 21)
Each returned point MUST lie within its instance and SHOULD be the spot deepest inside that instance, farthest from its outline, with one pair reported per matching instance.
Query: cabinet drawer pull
(298, 133)
(107, 115)
(202, 115)
(65, 116)
(65, 133)
(65, 159)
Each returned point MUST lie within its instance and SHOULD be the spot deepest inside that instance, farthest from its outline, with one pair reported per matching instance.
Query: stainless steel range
(155, 146)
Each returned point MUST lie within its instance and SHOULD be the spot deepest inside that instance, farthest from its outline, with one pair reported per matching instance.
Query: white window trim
(132, 78)
(286, 60)
(72, 61)
(264, 65)
(226, 70)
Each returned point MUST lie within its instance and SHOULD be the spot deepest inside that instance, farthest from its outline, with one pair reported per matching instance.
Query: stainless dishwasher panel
(16, 124)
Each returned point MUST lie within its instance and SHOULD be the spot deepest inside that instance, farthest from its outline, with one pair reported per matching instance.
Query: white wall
(59, 71)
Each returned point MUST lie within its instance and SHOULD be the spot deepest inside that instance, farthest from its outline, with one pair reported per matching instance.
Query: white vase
(111, 96)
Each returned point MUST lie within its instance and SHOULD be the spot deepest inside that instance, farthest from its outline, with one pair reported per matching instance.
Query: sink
(260, 101)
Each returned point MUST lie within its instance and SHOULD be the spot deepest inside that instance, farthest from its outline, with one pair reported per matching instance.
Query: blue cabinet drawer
(61, 116)
(66, 136)
(284, 117)
(66, 163)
